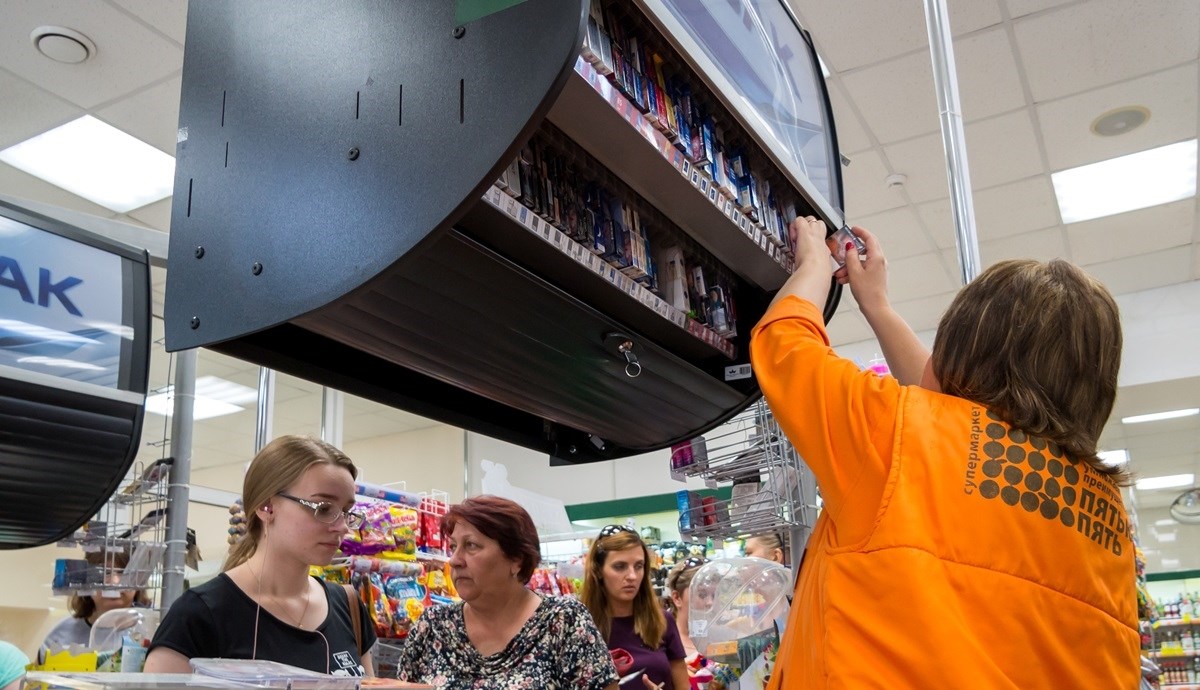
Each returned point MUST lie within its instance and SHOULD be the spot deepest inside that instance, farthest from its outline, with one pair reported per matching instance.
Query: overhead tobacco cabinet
(550, 221)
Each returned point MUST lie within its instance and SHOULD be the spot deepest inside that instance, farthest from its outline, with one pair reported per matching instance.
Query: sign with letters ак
(60, 306)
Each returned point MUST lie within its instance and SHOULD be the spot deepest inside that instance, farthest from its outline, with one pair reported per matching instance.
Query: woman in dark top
(298, 493)
(502, 635)
(618, 592)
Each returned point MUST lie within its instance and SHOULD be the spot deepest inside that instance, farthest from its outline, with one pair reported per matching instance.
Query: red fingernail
(849, 246)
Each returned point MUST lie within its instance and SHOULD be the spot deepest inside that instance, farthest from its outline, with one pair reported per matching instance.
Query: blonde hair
(771, 541)
(648, 620)
(276, 467)
(678, 581)
(1038, 344)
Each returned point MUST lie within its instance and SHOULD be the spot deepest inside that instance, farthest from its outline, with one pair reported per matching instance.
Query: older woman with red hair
(502, 634)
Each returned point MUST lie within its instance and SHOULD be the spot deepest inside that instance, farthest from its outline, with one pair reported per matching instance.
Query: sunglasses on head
(695, 562)
(613, 529)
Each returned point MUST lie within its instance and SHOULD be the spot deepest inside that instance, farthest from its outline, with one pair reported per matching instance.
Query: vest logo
(1029, 473)
(11, 276)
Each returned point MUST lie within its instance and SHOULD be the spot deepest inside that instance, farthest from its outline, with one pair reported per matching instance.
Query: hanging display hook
(633, 369)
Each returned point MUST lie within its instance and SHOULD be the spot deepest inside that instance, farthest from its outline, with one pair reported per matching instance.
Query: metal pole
(333, 408)
(945, 81)
(184, 399)
(265, 413)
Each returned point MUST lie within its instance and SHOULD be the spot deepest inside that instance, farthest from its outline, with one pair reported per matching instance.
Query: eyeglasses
(326, 512)
(695, 562)
(613, 529)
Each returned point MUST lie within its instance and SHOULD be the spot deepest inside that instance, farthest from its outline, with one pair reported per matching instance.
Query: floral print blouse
(558, 647)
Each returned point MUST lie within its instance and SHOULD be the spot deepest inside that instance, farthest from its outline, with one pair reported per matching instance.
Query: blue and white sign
(60, 306)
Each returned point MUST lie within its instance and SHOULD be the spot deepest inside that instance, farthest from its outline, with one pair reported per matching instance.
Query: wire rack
(773, 491)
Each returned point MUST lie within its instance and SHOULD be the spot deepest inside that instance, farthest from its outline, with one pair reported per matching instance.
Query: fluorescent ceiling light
(1165, 482)
(215, 397)
(1157, 416)
(1127, 183)
(1114, 458)
(1170, 562)
(1166, 522)
(97, 162)
(1164, 536)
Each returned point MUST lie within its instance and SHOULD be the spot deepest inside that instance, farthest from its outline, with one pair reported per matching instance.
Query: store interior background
(1033, 75)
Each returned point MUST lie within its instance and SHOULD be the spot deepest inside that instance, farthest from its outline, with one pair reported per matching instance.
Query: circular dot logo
(1049, 509)
(1033, 481)
(1010, 495)
(1055, 467)
(993, 450)
(1015, 454)
(1037, 461)
(993, 416)
(1029, 501)
(1067, 517)
(1037, 442)
(1052, 488)
(989, 488)
(1071, 475)
(1012, 474)
(1016, 436)
(1068, 494)
(992, 468)
(995, 431)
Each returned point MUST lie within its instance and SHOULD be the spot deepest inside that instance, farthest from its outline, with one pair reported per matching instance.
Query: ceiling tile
(156, 215)
(881, 30)
(899, 231)
(1002, 149)
(26, 110)
(866, 191)
(922, 160)
(918, 276)
(1105, 41)
(925, 313)
(1020, 8)
(25, 186)
(848, 325)
(1042, 245)
(1130, 234)
(151, 115)
(850, 134)
(1146, 271)
(128, 54)
(1170, 96)
(988, 81)
(168, 16)
(1015, 208)
(938, 222)
(896, 98)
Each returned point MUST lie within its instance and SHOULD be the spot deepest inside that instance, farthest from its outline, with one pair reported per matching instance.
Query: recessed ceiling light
(1120, 121)
(1167, 522)
(1170, 562)
(1127, 183)
(1158, 416)
(1165, 537)
(1114, 458)
(97, 162)
(1169, 481)
(215, 397)
(62, 44)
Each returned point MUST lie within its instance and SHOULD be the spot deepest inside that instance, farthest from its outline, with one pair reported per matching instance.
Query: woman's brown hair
(277, 466)
(678, 580)
(506, 522)
(1038, 344)
(648, 620)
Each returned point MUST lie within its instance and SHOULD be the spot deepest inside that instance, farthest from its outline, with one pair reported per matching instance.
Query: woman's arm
(367, 665)
(164, 660)
(679, 675)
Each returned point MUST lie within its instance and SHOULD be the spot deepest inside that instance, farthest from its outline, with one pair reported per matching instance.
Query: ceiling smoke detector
(1120, 121)
(61, 44)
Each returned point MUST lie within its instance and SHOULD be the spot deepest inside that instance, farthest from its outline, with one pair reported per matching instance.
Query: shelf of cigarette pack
(1180, 686)
(1179, 654)
(592, 112)
(1175, 622)
(544, 246)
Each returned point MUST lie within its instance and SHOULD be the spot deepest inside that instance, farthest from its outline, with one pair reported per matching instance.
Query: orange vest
(953, 551)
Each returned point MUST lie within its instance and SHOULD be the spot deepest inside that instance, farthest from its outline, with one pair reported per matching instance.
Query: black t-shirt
(217, 620)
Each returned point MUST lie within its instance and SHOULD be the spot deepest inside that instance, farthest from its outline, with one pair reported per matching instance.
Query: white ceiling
(1033, 75)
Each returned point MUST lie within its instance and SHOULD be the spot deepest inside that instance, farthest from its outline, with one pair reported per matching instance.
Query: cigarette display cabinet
(554, 222)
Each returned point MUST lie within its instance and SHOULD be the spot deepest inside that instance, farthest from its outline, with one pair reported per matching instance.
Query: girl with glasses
(618, 591)
(679, 600)
(298, 494)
